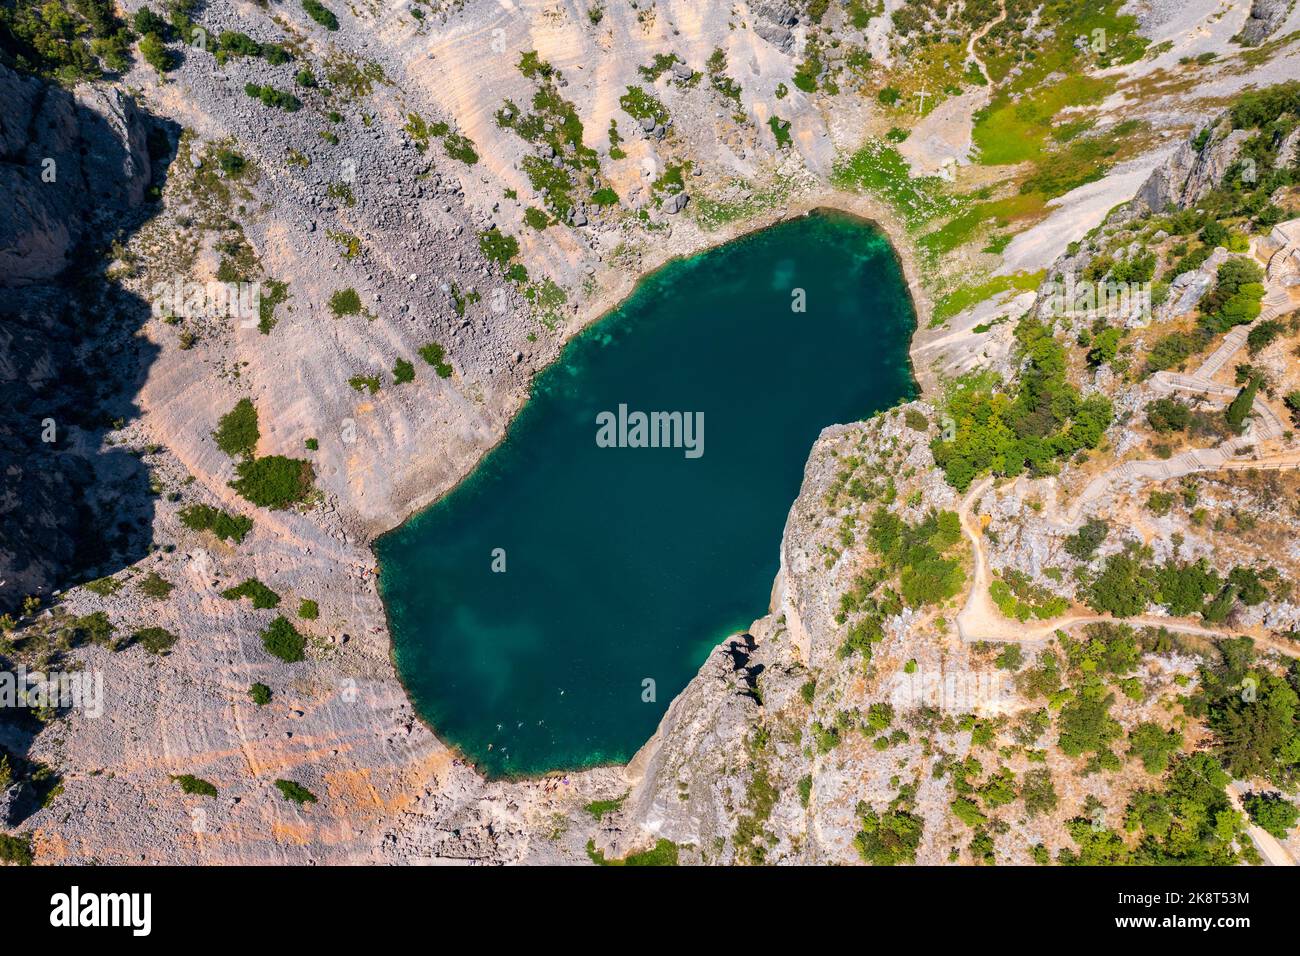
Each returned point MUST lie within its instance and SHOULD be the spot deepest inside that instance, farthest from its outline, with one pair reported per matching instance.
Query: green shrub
(805, 790)
(781, 130)
(1124, 587)
(498, 247)
(196, 786)
(1168, 415)
(232, 43)
(274, 482)
(639, 104)
(295, 792)
(261, 596)
(1153, 745)
(225, 526)
(435, 355)
(1292, 402)
(403, 372)
(664, 853)
(237, 431)
(1235, 298)
(1085, 724)
(460, 148)
(890, 838)
(1239, 408)
(598, 808)
(1046, 419)
(156, 54)
(93, 628)
(282, 640)
(1038, 792)
(154, 585)
(259, 694)
(155, 640)
(146, 21)
(308, 609)
(365, 382)
(269, 96)
(104, 587)
(1174, 349)
(1011, 658)
(536, 218)
(604, 197)
(345, 302)
(1263, 334)
(321, 14)
(16, 849)
(1272, 812)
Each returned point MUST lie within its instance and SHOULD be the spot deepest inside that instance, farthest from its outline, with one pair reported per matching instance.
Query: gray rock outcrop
(1189, 174)
(68, 162)
(1265, 17)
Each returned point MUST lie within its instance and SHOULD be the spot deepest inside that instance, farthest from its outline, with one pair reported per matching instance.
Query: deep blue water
(627, 564)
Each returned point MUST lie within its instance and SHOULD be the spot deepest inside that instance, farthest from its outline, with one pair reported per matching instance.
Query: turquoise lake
(627, 564)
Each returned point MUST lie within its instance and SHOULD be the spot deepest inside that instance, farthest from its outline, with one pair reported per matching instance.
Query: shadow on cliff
(83, 172)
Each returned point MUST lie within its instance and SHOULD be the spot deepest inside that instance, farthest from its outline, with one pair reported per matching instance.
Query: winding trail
(1270, 847)
(980, 619)
(1265, 424)
(980, 34)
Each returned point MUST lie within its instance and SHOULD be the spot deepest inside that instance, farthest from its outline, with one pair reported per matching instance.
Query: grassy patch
(295, 792)
(16, 850)
(664, 853)
(403, 371)
(225, 526)
(154, 585)
(196, 786)
(345, 302)
(261, 596)
(963, 298)
(880, 169)
(598, 808)
(321, 14)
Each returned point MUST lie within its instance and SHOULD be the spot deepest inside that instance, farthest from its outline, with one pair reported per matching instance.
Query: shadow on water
(72, 506)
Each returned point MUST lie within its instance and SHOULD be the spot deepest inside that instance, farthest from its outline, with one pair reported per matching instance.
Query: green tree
(1240, 407)
(1272, 812)
(1153, 745)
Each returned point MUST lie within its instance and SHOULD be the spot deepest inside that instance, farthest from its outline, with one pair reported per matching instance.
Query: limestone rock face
(1265, 17)
(68, 162)
(706, 725)
(74, 166)
(774, 22)
(1189, 174)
